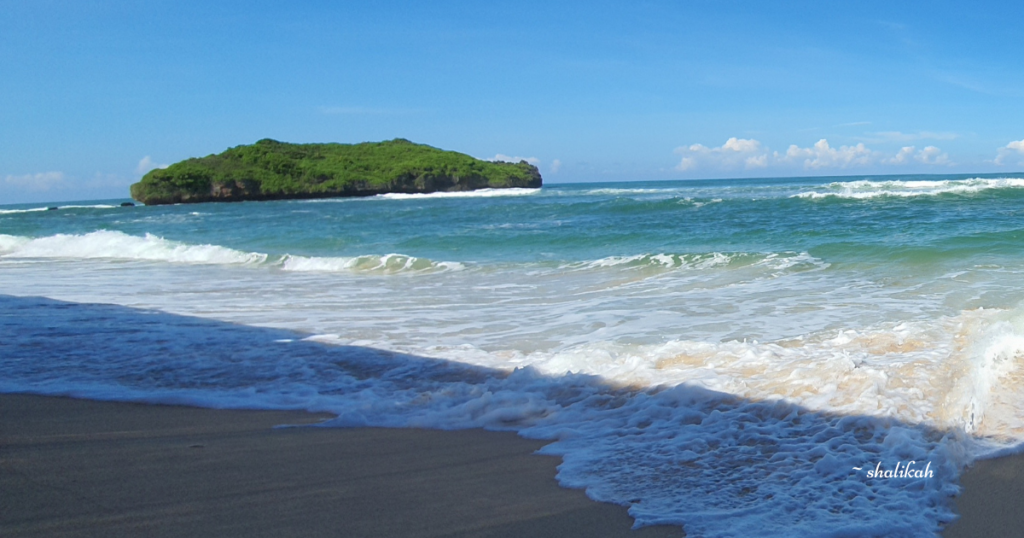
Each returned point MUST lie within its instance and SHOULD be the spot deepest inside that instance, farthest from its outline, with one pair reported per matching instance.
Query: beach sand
(992, 501)
(84, 468)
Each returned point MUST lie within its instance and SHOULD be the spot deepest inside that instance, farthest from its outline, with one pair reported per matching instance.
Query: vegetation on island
(272, 170)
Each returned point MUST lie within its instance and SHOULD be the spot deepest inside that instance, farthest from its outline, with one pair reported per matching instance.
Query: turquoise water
(880, 221)
(884, 310)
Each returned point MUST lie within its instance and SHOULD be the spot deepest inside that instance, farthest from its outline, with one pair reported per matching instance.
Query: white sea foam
(386, 264)
(47, 208)
(113, 245)
(694, 261)
(480, 193)
(620, 191)
(702, 204)
(866, 189)
(15, 211)
(120, 246)
(732, 393)
(775, 261)
(727, 438)
(11, 243)
(766, 432)
(957, 374)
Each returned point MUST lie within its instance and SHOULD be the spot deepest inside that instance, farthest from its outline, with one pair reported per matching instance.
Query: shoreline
(85, 468)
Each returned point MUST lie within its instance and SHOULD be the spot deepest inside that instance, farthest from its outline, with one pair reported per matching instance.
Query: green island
(272, 170)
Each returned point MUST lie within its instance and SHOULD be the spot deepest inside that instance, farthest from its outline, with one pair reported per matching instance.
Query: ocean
(757, 357)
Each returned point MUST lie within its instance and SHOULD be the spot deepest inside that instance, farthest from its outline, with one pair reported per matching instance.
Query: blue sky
(92, 94)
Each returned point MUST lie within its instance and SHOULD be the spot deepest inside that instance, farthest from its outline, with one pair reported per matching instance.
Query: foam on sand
(675, 452)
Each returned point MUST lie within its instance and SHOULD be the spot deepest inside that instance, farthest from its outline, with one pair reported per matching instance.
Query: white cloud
(928, 155)
(741, 145)
(505, 158)
(734, 153)
(147, 164)
(42, 181)
(933, 155)
(903, 157)
(686, 163)
(556, 165)
(750, 154)
(821, 155)
(1015, 148)
(756, 161)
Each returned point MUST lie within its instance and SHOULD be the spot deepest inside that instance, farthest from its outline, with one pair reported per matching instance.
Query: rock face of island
(272, 170)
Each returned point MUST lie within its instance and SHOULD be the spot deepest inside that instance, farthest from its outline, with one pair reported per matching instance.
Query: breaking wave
(784, 260)
(116, 245)
(867, 189)
(47, 208)
(481, 193)
(386, 264)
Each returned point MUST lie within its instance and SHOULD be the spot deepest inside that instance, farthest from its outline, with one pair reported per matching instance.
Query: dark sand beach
(992, 501)
(73, 467)
(83, 468)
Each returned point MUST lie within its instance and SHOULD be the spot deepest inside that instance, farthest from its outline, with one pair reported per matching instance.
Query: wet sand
(73, 467)
(83, 468)
(992, 501)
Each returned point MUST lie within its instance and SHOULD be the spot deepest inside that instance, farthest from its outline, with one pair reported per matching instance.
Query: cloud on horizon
(734, 153)
(928, 155)
(822, 155)
(1015, 148)
(42, 181)
(146, 164)
(750, 154)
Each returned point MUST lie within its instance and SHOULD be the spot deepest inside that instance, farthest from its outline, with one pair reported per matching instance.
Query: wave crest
(867, 189)
(115, 245)
(386, 264)
(47, 208)
(480, 193)
(783, 260)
